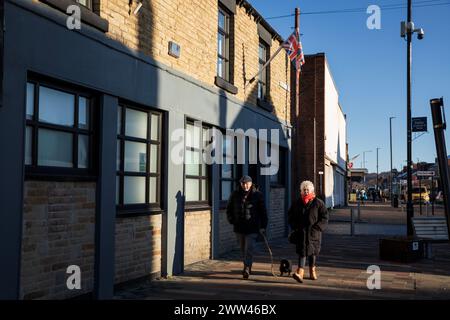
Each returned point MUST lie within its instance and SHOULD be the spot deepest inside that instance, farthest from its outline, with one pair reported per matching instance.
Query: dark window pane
(117, 189)
(83, 151)
(56, 107)
(118, 156)
(83, 113)
(227, 170)
(55, 148)
(226, 189)
(30, 100)
(28, 145)
(119, 120)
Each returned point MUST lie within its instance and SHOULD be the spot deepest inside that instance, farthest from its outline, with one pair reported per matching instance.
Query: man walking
(247, 213)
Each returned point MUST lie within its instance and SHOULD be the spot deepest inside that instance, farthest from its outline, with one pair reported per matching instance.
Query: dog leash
(270, 253)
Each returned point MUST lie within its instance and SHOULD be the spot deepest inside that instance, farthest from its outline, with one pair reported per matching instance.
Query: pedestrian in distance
(308, 217)
(246, 211)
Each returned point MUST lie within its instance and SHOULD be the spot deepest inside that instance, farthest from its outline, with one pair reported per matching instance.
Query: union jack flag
(294, 50)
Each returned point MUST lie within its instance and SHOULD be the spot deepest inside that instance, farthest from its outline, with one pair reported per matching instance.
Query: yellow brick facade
(193, 25)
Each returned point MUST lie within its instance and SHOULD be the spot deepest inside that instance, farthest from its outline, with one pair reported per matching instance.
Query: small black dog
(285, 267)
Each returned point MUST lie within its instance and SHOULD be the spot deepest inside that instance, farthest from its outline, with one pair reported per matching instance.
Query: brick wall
(58, 231)
(227, 237)
(193, 25)
(197, 236)
(276, 213)
(138, 247)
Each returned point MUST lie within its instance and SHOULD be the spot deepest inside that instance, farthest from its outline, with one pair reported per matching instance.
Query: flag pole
(265, 65)
(297, 69)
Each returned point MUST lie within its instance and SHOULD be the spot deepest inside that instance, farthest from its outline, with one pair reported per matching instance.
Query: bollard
(359, 212)
(352, 223)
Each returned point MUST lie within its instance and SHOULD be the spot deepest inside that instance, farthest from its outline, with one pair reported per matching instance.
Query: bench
(431, 230)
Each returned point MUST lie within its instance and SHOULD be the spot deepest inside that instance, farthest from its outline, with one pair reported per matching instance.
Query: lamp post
(377, 167)
(364, 162)
(390, 146)
(407, 30)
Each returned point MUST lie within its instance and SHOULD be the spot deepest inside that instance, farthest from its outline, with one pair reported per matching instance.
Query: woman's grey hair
(307, 184)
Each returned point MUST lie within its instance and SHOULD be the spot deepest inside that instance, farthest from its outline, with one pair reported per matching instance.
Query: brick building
(319, 141)
(87, 119)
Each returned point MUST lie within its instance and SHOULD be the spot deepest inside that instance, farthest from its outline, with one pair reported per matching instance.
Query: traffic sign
(419, 124)
(425, 173)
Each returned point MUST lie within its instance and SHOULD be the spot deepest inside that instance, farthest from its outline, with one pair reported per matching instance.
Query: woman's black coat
(310, 219)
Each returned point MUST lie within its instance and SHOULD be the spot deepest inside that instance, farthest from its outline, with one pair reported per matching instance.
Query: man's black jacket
(247, 211)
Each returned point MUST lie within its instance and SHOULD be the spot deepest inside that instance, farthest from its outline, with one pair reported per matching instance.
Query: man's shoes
(246, 272)
(313, 273)
(298, 275)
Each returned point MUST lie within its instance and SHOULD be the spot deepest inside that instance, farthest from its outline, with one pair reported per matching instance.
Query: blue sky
(369, 69)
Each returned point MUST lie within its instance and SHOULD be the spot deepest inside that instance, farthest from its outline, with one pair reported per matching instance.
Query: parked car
(419, 194)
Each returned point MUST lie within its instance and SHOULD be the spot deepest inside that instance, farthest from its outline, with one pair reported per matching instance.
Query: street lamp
(390, 146)
(364, 162)
(377, 166)
(407, 29)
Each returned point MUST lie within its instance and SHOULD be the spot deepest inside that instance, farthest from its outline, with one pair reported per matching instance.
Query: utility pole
(377, 168)
(409, 206)
(390, 146)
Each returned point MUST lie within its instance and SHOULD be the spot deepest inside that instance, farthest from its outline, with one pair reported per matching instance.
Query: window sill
(196, 206)
(87, 16)
(218, 81)
(56, 174)
(136, 211)
(265, 105)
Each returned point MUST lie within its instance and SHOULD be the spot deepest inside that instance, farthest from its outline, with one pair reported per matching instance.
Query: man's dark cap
(245, 179)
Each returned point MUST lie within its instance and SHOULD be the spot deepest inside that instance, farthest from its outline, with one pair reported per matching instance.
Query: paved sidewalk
(342, 272)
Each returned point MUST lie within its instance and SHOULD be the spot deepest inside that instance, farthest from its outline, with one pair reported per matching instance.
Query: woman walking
(308, 216)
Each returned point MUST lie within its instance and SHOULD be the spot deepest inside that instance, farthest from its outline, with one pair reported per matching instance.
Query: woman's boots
(298, 275)
(312, 273)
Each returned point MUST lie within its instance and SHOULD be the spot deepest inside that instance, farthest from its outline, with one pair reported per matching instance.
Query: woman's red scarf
(307, 198)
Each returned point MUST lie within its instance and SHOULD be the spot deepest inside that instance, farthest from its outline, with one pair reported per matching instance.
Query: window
(263, 78)
(59, 135)
(231, 171)
(196, 171)
(223, 45)
(86, 3)
(138, 159)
